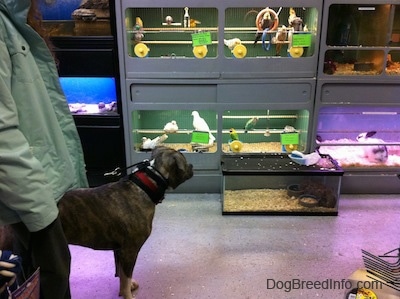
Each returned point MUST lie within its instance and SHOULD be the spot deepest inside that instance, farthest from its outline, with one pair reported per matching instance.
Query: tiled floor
(195, 252)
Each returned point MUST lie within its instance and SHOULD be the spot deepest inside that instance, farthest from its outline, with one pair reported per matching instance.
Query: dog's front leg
(126, 262)
(127, 286)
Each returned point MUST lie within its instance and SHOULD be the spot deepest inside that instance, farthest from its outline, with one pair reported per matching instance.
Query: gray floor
(195, 252)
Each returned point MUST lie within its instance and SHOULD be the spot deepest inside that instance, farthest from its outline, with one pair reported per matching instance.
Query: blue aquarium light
(89, 90)
(62, 10)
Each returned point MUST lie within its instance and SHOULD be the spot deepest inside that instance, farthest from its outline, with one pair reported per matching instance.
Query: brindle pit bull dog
(118, 216)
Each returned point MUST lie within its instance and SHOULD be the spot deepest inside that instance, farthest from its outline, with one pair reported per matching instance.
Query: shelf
(150, 131)
(260, 116)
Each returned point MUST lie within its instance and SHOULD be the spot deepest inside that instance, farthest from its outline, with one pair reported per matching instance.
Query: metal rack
(379, 267)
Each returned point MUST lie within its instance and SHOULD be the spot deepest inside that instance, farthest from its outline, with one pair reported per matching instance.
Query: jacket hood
(17, 10)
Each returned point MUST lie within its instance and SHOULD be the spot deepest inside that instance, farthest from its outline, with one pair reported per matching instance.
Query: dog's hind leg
(116, 261)
(126, 263)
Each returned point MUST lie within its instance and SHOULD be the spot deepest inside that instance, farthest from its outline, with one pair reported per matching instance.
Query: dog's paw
(126, 293)
(134, 285)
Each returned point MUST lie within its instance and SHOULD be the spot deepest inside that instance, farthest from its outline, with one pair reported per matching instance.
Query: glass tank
(76, 17)
(360, 137)
(354, 62)
(263, 131)
(360, 41)
(274, 184)
(393, 63)
(172, 32)
(184, 130)
(270, 31)
(90, 95)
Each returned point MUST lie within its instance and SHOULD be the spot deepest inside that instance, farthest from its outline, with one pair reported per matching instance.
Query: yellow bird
(194, 23)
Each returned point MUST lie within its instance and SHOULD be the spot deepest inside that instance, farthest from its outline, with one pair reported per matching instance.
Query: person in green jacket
(40, 152)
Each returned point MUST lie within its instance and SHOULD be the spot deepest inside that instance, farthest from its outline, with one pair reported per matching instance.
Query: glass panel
(168, 33)
(252, 131)
(339, 129)
(271, 31)
(354, 62)
(395, 37)
(74, 18)
(281, 187)
(358, 25)
(90, 95)
(175, 129)
(393, 63)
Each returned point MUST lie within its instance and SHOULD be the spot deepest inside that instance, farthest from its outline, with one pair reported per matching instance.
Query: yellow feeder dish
(141, 50)
(200, 51)
(296, 52)
(239, 51)
(236, 146)
(290, 147)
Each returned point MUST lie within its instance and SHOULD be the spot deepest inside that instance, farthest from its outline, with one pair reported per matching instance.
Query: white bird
(148, 143)
(289, 129)
(232, 43)
(199, 124)
(171, 127)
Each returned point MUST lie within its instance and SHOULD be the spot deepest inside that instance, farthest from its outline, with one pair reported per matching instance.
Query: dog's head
(172, 165)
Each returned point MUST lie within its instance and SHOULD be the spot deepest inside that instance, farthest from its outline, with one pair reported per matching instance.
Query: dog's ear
(172, 164)
(182, 171)
(159, 151)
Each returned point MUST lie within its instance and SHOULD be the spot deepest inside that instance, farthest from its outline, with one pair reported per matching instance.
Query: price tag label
(290, 138)
(301, 40)
(200, 137)
(201, 39)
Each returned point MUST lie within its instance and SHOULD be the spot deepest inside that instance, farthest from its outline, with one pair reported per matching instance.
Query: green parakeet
(250, 125)
(233, 134)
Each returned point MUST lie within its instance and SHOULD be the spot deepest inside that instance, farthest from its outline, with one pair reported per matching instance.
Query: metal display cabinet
(357, 92)
(224, 104)
(360, 39)
(346, 109)
(172, 64)
(216, 39)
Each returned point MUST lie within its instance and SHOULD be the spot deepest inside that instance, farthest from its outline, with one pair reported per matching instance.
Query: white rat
(374, 153)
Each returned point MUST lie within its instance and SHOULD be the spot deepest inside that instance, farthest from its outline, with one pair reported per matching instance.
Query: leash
(141, 175)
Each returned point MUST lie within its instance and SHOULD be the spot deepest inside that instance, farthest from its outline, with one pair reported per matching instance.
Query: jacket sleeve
(25, 194)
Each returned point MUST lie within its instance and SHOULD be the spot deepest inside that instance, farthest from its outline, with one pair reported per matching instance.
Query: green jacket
(40, 153)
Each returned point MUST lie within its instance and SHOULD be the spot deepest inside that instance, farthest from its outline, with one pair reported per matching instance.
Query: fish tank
(90, 95)
(176, 129)
(360, 137)
(261, 131)
(76, 17)
(363, 41)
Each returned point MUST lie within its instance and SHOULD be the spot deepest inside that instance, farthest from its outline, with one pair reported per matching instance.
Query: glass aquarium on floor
(261, 131)
(365, 137)
(184, 130)
(275, 184)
